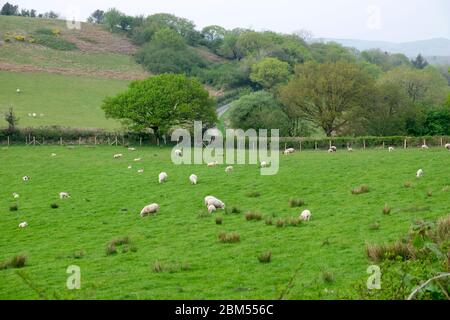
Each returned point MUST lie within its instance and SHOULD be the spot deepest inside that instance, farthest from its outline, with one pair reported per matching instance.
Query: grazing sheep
(130, 167)
(34, 115)
(331, 150)
(23, 224)
(25, 178)
(264, 164)
(286, 153)
(289, 151)
(141, 171)
(16, 195)
(53, 154)
(18, 91)
(229, 169)
(419, 173)
(212, 164)
(162, 177)
(349, 149)
(207, 198)
(424, 146)
(447, 146)
(64, 195)
(137, 159)
(391, 149)
(193, 179)
(131, 149)
(117, 156)
(305, 215)
(178, 153)
(151, 209)
(210, 200)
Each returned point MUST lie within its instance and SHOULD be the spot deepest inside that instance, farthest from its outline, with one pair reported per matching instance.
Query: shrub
(375, 226)
(327, 277)
(127, 245)
(253, 194)
(386, 209)
(219, 220)
(269, 221)
(14, 207)
(295, 203)
(281, 223)
(170, 267)
(361, 189)
(235, 210)
(408, 184)
(265, 257)
(294, 222)
(54, 206)
(249, 216)
(19, 38)
(443, 229)
(232, 237)
(445, 189)
(17, 261)
(392, 251)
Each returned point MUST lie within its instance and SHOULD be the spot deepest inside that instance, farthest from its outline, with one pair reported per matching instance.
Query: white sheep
(193, 179)
(25, 178)
(130, 167)
(18, 90)
(229, 169)
(264, 164)
(34, 115)
(349, 149)
(117, 156)
(178, 153)
(305, 215)
(64, 195)
(285, 152)
(141, 171)
(23, 224)
(289, 151)
(131, 149)
(150, 209)
(137, 159)
(207, 198)
(447, 146)
(212, 164)
(331, 151)
(162, 177)
(425, 147)
(53, 155)
(211, 200)
(16, 195)
(419, 173)
(211, 208)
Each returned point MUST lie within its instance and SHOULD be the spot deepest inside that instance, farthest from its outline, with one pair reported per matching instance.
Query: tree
(162, 102)
(327, 93)
(269, 72)
(419, 62)
(33, 13)
(385, 60)
(12, 120)
(437, 122)
(97, 17)
(9, 10)
(213, 36)
(50, 15)
(112, 18)
(258, 110)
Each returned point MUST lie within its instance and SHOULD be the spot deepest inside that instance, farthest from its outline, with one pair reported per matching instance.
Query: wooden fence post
(442, 142)
(8, 141)
(315, 145)
(95, 140)
(140, 141)
(60, 141)
(300, 145)
(405, 145)
(34, 140)
(364, 144)
(79, 141)
(383, 144)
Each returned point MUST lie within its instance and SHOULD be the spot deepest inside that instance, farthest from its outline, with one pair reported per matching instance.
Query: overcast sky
(389, 20)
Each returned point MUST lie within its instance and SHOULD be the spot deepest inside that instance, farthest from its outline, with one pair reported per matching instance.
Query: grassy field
(41, 93)
(106, 199)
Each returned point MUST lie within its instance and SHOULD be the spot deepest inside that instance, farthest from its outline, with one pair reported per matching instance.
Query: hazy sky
(390, 20)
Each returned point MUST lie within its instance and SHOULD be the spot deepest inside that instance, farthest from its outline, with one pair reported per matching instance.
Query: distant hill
(437, 49)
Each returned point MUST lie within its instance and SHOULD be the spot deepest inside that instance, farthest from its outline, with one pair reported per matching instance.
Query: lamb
(264, 164)
(131, 149)
(212, 164)
(151, 209)
(305, 215)
(391, 149)
(210, 200)
(229, 169)
(424, 146)
(349, 149)
(53, 154)
(16, 195)
(193, 179)
(64, 195)
(141, 171)
(211, 208)
(130, 167)
(178, 153)
(289, 151)
(447, 146)
(23, 224)
(117, 156)
(419, 173)
(162, 177)
(25, 178)
(137, 159)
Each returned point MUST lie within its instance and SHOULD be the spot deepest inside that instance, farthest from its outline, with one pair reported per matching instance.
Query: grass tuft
(390, 251)
(253, 194)
(386, 209)
(18, 261)
(54, 206)
(265, 257)
(361, 189)
(219, 220)
(296, 203)
(232, 237)
(14, 207)
(327, 277)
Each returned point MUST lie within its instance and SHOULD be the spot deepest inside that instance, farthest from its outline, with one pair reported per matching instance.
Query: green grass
(106, 199)
(79, 106)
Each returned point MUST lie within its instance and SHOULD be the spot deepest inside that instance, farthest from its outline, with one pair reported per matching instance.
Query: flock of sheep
(212, 203)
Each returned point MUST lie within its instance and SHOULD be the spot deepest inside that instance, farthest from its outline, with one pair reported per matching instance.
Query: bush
(386, 209)
(219, 220)
(265, 257)
(361, 189)
(53, 42)
(249, 216)
(14, 207)
(124, 242)
(393, 251)
(17, 261)
(294, 203)
(232, 237)
(171, 267)
(54, 206)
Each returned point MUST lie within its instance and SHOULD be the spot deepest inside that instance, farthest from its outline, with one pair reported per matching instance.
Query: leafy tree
(162, 102)
(25, 13)
(258, 110)
(97, 17)
(9, 9)
(252, 43)
(213, 36)
(50, 15)
(12, 120)
(33, 13)
(326, 94)
(385, 60)
(437, 122)
(419, 62)
(112, 18)
(330, 52)
(270, 72)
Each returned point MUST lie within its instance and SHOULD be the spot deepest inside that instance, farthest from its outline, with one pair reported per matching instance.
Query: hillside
(93, 51)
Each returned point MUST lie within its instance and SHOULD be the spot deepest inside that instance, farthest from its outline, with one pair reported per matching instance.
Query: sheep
(210, 200)
(178, 153)
(18, 91)
(34, 115)
(212, 164)
(137, 159)
(331, 150)
(53, 155)
(211, 208)
(151, 209)
(25, 178)
(131, 149)
(447, 146)
(130, 167)
(15, 195)
(117, 156)
(264, 164)
(425, 147)
(193, 179)
(289, 151)
(305, 215)
(23, 224)
(141, 171)
(162, 177)
(286, 153)
(419, 173)
(349, 149)
(64, 195)
(391, 149)
(229, 169)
